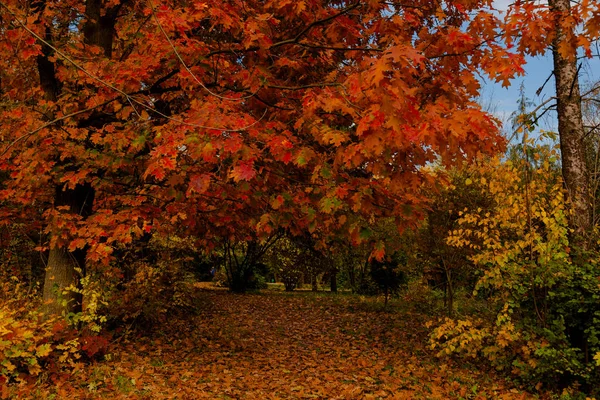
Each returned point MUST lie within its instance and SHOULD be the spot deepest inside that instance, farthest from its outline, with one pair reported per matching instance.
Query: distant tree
(389, 274)
(241, 260)
(288, 262)
(448, 266)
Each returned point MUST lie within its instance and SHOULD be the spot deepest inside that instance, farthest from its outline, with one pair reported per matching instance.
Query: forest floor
(281, 346)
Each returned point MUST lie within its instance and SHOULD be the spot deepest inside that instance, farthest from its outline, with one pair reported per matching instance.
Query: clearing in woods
(281, 346)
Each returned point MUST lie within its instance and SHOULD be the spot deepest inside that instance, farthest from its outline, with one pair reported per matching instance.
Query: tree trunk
(240, 272)
(351, 272)
(313, 277)
(333, 281)
(387, 293)
(449, 292)
(571, 130)
(60, 274)
(61, 270)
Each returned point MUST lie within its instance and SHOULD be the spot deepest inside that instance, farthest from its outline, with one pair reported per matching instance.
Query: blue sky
(537, 70)
(503, 101)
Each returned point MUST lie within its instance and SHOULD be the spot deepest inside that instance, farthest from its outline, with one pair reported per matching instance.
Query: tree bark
(60, 274)
(61, 269)
(333, 281)
(571, 130)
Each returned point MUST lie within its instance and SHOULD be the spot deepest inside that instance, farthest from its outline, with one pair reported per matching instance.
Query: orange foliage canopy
(237, 117)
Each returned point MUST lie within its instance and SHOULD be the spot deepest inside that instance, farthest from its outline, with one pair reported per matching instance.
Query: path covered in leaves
(280, 346)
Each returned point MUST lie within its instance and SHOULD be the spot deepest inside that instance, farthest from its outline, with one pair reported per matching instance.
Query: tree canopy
(139, 137)
(235, 119)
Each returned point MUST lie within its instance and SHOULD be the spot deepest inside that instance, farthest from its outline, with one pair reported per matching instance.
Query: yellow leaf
(43, 350)
(9, 366)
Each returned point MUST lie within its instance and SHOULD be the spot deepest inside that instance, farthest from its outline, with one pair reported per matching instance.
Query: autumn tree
(591, 117)
(303, 258)
(72, 200)
(121, 118)
(353, 262)
(242, 259)
(448, 266)
(289, 262)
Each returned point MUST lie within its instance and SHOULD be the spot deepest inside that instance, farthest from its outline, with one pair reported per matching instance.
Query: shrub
(220, 278)
(27, 344)
(153, 294)
(543, 297)
(420, 297)
(388, 274)
(30, 344)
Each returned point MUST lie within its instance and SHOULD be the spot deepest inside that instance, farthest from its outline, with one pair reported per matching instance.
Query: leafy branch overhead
(141, 141)
(217, 110)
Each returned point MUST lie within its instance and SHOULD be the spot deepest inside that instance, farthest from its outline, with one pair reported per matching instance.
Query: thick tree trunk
(571, 131)
(61, 271)
(99, 29)
(60, 274)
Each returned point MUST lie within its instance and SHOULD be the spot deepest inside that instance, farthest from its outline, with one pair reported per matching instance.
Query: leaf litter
(279, 346)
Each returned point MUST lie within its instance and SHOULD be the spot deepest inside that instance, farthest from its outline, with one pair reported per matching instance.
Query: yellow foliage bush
(466, 337)
(501, 343)
(28, 343)
(91, 317)
(538, 300)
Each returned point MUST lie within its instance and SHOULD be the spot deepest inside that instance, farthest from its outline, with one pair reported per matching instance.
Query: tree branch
(304, 31)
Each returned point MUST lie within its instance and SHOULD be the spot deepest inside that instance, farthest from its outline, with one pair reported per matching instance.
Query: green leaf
(327, 205)
(300, 160)
(43, 350)
(326, 171)
(365, 233)
(139, 141)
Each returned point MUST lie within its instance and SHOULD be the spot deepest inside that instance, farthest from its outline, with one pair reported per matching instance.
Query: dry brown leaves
(280, 346)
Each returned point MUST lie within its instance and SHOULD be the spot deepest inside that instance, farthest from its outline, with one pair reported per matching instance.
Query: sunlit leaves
(229, 107)
(534, 26)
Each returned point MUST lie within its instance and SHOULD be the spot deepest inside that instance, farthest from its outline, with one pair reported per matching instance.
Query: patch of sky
(537, 85)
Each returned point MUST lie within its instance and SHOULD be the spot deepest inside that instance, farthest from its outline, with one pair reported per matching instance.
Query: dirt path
(279, 346)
